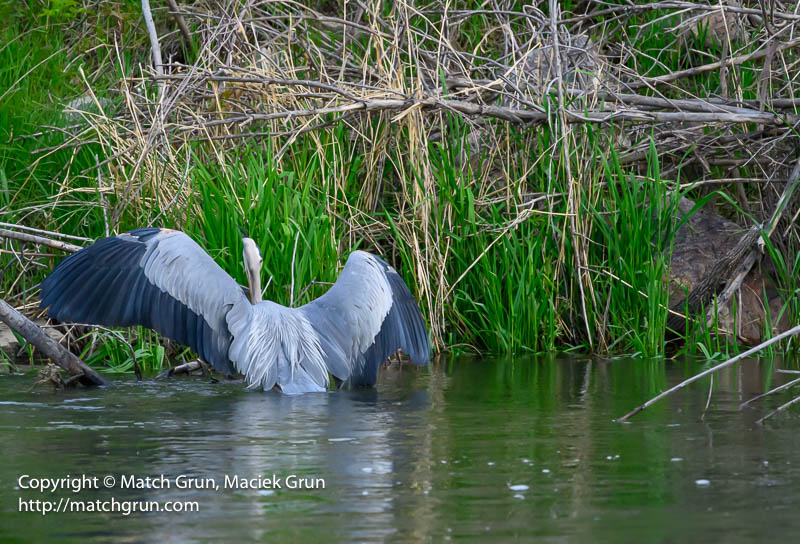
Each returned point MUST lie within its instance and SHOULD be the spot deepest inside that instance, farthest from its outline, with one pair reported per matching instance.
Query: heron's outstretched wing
(365, 317)
(160, 279)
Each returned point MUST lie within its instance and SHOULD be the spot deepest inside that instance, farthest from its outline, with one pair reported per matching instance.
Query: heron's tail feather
(273, 345)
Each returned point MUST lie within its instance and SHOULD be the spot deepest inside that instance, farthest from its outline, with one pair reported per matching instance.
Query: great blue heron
(163, 280)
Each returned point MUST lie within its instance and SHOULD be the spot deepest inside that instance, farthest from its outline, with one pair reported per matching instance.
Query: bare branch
(49, 347)
(24, 237)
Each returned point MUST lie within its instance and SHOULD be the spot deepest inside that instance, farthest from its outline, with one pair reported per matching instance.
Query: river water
(467, 449)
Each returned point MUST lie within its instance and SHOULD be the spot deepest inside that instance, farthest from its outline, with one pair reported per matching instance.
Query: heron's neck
(252, 268)
(255, 288)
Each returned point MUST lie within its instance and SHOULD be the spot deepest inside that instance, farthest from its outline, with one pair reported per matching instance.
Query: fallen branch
(791, 332)
(700, 111)
(741, 59)
(45, 232)
(652, 6)
(32, 238)
(185, 368)
(511, 115)
(49, 347)
(712, 105)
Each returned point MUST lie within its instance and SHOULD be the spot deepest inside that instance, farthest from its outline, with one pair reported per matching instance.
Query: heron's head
(252, 267)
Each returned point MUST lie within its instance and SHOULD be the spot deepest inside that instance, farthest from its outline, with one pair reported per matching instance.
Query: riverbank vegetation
(521, 166)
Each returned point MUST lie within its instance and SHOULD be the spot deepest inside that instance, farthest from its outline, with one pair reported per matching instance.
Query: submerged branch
(787, 385)
(791, 332)
(779, 409)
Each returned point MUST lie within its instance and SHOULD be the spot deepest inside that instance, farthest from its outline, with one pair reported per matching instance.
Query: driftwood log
(49, 347)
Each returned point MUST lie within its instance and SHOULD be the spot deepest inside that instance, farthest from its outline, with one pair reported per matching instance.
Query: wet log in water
(186, 368)
(49, 347)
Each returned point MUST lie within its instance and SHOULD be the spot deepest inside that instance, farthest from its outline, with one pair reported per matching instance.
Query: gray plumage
(365, 317)
(163, 280)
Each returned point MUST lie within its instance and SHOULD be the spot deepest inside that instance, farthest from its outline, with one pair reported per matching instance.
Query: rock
(582, 68)
(698, 245)
(73, 111)
(581, 64)
(11, 346)
(716, 27)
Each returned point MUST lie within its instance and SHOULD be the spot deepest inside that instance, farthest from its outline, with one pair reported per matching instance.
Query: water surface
(469, 449)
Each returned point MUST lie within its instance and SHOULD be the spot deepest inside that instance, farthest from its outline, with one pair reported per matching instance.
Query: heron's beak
(252, 268)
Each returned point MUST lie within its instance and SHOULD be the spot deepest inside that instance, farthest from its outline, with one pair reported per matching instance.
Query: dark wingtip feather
(105, 284)
(403, 328)
(72, 289)
(409, 316)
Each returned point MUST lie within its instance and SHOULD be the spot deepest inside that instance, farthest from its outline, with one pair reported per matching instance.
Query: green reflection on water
(471, 449)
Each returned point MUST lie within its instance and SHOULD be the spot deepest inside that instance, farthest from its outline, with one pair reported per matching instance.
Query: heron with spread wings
(163, 280)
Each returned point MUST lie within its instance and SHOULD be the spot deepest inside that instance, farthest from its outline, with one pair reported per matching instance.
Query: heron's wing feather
(277, 345)
(365, 317)
(157, 278)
